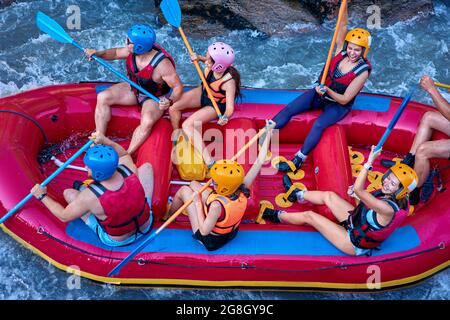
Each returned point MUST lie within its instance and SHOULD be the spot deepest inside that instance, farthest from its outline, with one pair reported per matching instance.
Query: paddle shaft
(442, 85)
(117, 268)
(200, 73)
(46, 181)
(394, 120)
(333, 42)
(117, 73)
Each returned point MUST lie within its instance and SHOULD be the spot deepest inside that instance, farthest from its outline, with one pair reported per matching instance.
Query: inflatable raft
(263, 255)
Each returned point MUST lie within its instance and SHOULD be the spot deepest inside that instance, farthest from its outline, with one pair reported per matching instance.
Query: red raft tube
(263, 255)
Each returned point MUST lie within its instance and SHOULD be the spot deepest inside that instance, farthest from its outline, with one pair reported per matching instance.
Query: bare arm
(170, 76)
(256, 167)
(352, 90)
(230, 89)
(206, 224)
(442, 105)
(439, 101)
(145, 174)
(379, 206)
(197, 57)
(108, 54)
(76, 209)
(342, 31)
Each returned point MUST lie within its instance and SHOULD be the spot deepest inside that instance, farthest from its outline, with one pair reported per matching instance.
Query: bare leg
(185, 194)
(338, 206)
(150, 114)
(145, 174)
(333, 232)
(119, 94)
(200, 117)
(178, 201)
(427, 151)
(196, 186)
(189, 100)
(430, 120)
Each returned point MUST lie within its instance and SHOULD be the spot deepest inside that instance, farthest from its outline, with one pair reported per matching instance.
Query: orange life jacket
(215, 85)
(234, 210)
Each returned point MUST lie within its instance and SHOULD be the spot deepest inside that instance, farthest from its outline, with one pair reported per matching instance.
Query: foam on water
(401, 54)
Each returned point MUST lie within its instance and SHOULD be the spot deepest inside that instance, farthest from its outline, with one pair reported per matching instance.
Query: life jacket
(126, 209)
(215, 85)
(234, 211)
(341, 84)
(144, 76)
(363, 234)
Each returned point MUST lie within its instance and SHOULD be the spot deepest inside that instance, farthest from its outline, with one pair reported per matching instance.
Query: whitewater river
(401, 54)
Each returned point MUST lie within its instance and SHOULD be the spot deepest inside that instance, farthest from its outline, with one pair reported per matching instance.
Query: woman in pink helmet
(224, 81)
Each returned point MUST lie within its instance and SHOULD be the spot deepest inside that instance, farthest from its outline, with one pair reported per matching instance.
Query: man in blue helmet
(116, 205)
(151, 67)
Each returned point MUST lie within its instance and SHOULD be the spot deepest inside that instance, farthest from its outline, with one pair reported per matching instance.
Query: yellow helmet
(407, 177)
(228, 175)
(360, 37)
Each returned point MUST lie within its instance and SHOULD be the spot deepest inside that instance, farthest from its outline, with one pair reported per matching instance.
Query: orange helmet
(228, 175)
(407, 177)
(360, 37)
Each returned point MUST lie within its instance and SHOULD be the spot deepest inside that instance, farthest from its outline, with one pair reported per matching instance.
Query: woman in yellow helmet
(348, 72)
(215, 215)
(365, 227)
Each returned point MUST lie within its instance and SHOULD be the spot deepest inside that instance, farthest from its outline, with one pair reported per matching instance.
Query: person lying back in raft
(224, 81)
(149, 66)
(215, 215)
(348, 72)
(362, 228)
(116, 205)
(422, 149)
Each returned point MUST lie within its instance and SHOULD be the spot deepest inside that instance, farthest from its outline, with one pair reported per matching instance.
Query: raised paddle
(394, 120)
(54, 30)
(128, 258)
(172, 12)
(47, 181)
(333, 41)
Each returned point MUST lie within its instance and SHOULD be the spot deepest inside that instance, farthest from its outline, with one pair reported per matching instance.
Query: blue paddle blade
(172, 12)
(52, 28)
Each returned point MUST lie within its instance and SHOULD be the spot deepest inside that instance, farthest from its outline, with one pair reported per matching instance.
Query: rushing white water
(28, 59)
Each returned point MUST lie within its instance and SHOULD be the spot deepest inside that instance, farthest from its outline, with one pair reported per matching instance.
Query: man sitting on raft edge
(117, 204)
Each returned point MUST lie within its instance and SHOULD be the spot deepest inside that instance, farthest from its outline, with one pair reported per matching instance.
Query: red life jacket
(341, 84)
(144, 76)
(363, 234)
(126, 209)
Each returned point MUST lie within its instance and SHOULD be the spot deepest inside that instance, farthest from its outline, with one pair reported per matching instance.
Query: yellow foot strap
(277, 160)
(263, 205)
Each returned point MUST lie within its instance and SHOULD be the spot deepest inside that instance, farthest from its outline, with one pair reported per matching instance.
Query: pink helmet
(222, 54)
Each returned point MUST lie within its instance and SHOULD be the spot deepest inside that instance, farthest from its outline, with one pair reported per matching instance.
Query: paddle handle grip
(117, 73)
(46, 181)
(333, 42)
(200, 73)
(394, 120)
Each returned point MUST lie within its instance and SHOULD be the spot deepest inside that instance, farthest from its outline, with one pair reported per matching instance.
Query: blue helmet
(143, 37)
(102, 160)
